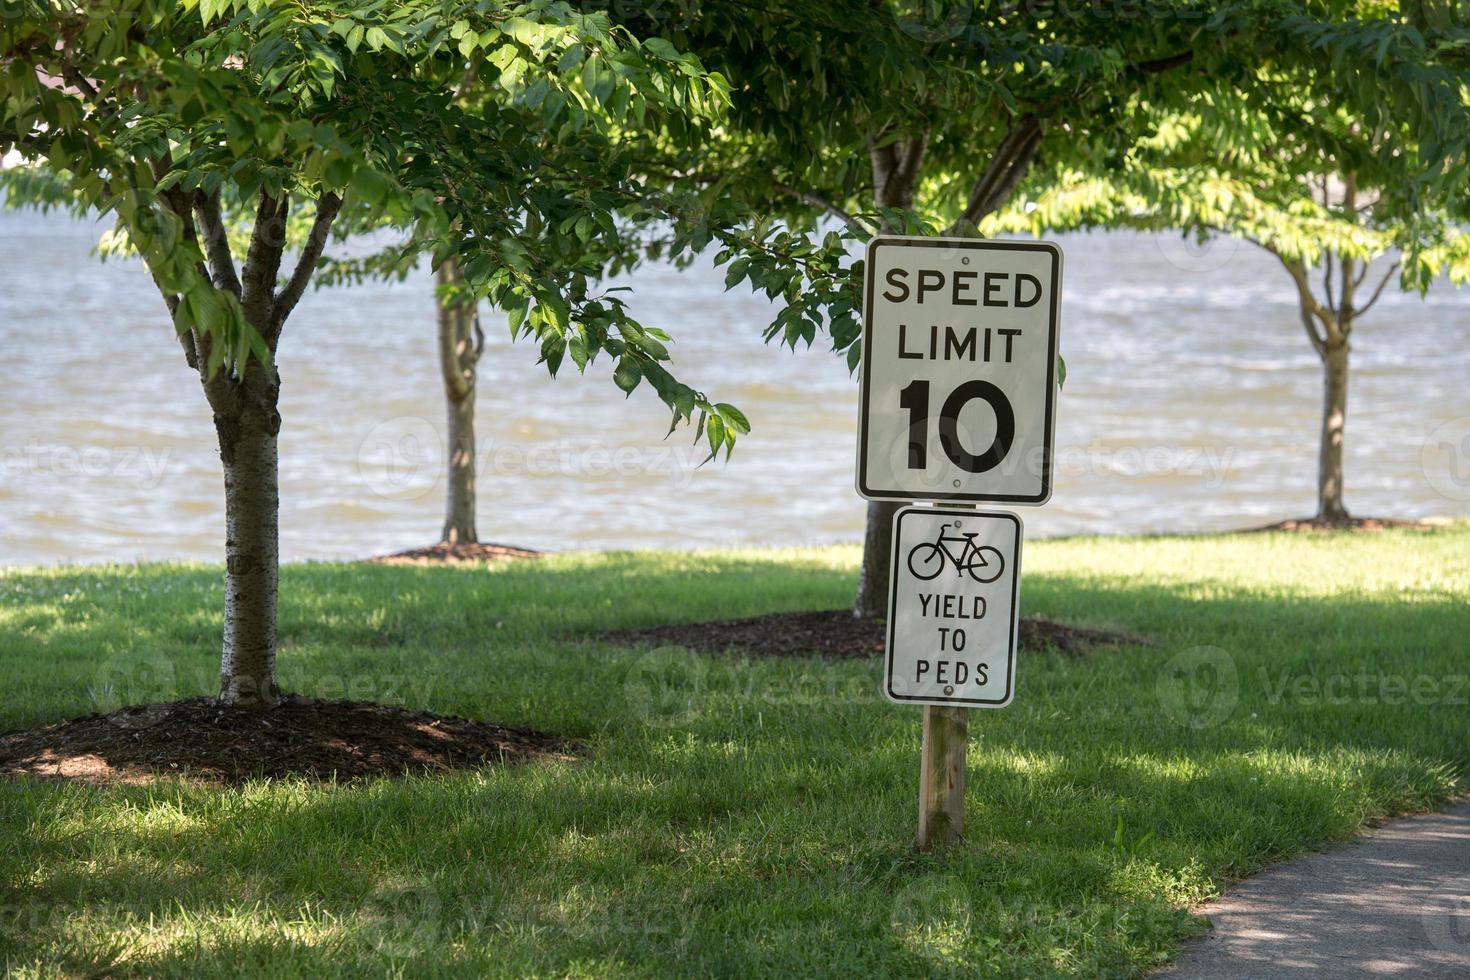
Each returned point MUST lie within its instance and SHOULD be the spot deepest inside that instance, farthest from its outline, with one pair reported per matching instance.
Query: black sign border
(1015, 610)
(1051, 367)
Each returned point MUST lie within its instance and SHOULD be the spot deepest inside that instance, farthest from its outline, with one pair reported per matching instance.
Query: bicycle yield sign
(952, 607)
(959, 369)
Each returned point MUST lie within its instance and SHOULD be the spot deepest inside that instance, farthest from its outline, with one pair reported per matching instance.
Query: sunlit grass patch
(733, 816)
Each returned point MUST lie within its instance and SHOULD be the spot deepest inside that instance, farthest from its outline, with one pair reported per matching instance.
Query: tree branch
(1327, 278)
(186, 337)
(817, 201)
(1164, 64)
(1362, 274)
(1349, 204)
(896, 169)
(1009, 163)
(79, 81)
(216, 242)
(263, 264)
(885, 162)
(327, 207)
(1387, 276)
(196, 345)
(911, 162)
(1310, 309)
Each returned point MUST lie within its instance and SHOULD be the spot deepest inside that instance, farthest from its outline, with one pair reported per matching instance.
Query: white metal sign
(959, 369)
(952, 607)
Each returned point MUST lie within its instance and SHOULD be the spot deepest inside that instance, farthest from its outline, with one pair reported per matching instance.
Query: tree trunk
(872, 593)
(247, 444)
(1330, 506)
(459, 503)
(896, 170)
(460, 343)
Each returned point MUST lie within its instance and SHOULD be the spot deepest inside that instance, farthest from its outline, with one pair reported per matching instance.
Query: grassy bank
(731, 817)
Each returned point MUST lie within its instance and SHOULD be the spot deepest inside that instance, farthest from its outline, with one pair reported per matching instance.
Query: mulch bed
(201, 740)
(836, 633)
(1351, 524)
(444, 553)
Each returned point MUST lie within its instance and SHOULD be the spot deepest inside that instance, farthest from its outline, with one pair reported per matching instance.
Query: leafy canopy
(1291, 166)
(985, 98)
(184, 118)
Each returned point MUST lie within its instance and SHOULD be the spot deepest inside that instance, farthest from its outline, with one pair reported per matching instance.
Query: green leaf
(516, 317)
(557, 310)
(627, 374)
(662, 49)
(552, 351)
(715, 431)
(578, 347)
(733, 417)
(339, 173)
(369, 185)
(736, 272)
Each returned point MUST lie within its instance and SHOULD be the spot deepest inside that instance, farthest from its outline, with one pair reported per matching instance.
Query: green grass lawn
(734, 818)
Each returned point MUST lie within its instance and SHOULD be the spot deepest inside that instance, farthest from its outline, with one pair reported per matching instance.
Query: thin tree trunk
(896, 170)
(460, 343)
(1330, 506)
(247, 443)
(872, 593)
(459, 504)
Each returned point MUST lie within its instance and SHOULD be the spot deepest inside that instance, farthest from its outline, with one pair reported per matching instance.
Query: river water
(1191, 404)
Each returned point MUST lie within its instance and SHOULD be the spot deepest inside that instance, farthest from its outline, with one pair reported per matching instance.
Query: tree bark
(872, 593)
(1330, 506)
(459, 504)
(248, 450)
(896, 170)
(460, 344)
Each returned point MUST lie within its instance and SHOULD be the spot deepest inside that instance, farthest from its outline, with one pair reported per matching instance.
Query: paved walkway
(1393, 904)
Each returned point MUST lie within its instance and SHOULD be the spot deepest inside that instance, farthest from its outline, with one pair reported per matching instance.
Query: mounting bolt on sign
(958, 405)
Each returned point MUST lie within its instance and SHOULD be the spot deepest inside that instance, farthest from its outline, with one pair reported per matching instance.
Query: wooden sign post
(942, 777)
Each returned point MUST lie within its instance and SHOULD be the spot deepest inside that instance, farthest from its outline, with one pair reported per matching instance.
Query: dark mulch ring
(444, 553)
(837, 633)
(1350, 524)
(201, 740)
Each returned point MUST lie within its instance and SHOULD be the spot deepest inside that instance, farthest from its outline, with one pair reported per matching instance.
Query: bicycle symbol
(983, 563)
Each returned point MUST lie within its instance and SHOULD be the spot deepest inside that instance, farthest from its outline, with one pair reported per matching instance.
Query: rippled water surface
(1191, 403)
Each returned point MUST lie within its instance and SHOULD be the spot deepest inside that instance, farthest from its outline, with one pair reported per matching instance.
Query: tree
(459, 344)
(927, 116)
(460, 341)
(288, 116)
(1345, 200)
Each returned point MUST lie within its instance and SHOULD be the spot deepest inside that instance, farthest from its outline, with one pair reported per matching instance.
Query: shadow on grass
(749, 817)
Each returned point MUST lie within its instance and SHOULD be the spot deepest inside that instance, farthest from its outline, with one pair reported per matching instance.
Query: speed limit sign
(959, 369)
